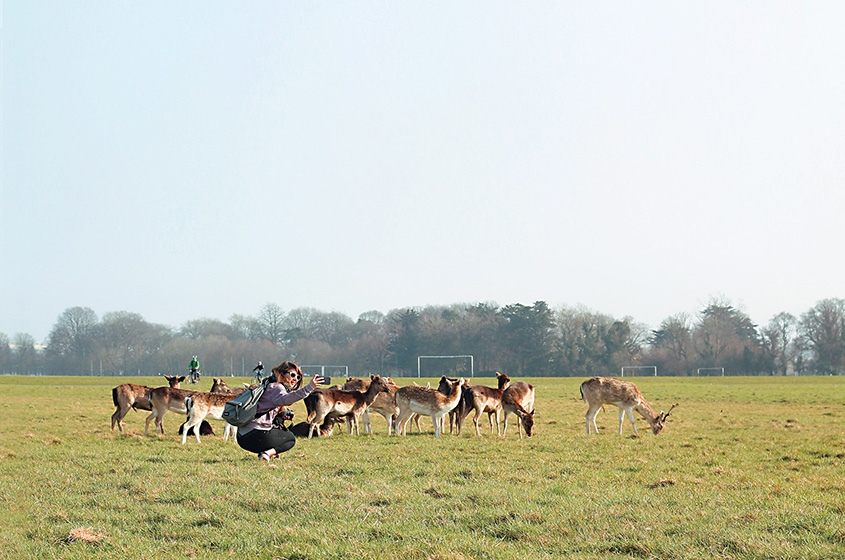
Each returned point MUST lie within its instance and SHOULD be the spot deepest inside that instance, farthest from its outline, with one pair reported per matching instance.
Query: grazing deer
(129, 396)
(323, 403)
(420, 400)
(200, 406)
(519, 399)
(483, 399)
(599, 391)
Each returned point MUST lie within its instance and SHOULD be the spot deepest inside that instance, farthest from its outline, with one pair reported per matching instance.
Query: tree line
(520, 340)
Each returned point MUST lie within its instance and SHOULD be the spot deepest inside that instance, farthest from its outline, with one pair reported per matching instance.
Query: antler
(666, 414)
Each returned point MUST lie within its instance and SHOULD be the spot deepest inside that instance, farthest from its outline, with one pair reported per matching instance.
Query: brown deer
(323, 403)
(519, 399)
(129, 396)
(219, 386)
(164, 399)
(483, 399)
(599, 391)
(428, 402)
(384, 403)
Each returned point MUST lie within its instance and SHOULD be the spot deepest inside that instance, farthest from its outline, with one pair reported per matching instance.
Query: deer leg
(591, 419)
(402, 422)
(365, 420)
(117, 418)
(621, 419)
(152, 416)
(475, 420)
(315, 424)
(630, 414)
(390, 419)
(436, 422)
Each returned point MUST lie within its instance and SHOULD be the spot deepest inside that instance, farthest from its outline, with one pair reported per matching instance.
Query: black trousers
(257, 441)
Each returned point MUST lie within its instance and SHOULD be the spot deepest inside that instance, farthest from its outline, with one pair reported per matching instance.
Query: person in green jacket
(195, 369)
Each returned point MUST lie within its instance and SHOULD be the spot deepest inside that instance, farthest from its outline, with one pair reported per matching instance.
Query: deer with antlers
(599, 391)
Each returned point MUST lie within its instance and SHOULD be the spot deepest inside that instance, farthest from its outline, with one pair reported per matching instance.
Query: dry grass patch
(86, 535)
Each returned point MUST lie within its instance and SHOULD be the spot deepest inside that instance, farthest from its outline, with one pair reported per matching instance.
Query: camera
(286, 414)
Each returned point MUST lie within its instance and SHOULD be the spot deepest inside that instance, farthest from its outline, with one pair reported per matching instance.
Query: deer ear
(372, 377)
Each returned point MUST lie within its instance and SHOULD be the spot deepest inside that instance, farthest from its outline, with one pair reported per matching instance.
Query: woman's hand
(316, 381)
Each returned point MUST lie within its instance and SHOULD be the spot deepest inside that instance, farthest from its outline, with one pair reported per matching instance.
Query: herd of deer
(352, 402)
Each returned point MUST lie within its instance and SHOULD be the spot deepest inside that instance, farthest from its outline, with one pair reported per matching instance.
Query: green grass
(749, 468)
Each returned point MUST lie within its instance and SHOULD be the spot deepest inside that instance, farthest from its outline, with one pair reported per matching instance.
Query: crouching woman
(265, 435)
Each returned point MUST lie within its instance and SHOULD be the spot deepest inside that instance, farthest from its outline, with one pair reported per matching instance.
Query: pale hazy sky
(198, 159)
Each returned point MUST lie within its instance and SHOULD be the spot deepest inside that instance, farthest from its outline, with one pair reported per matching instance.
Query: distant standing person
(265, 435)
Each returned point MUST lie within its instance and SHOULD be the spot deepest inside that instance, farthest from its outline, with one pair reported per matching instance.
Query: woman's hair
(284, 367)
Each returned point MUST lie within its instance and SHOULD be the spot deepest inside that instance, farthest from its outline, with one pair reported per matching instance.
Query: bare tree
(24, 356)
(779, 341)
(5, 354)
(271, 323)
(823, 326)
(74, 333)
(204, 328)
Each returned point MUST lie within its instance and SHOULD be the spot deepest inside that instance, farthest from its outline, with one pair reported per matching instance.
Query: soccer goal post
(721, 371)
(639, 367)
(471, 362)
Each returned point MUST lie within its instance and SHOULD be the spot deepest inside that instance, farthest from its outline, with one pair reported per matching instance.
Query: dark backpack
(243, 409)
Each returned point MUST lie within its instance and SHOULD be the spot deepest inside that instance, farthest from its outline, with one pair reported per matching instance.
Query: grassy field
(748, 468)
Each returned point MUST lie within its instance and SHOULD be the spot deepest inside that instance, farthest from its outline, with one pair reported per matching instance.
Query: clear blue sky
(198, 159)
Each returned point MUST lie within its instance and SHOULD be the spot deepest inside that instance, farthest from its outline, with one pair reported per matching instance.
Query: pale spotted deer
(427, 402)
(519, 399)
(384, 403)
(162, 400)
(200, 406)
(330, 403)
(129, 396)
(599, 391)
